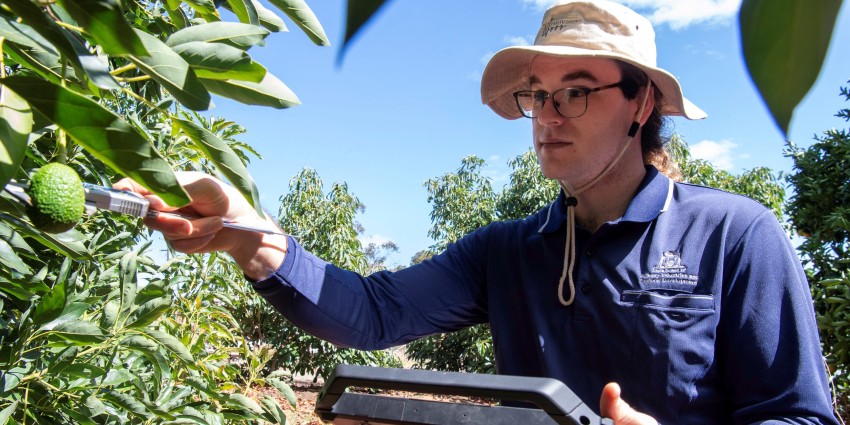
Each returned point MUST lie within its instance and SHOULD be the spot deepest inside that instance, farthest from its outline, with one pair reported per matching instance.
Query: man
(689, 298)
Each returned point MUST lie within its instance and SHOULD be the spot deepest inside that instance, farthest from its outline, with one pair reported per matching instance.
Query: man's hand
(613, 407)
(214, 201)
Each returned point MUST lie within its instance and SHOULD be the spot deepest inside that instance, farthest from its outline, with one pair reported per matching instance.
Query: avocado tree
(819, 211)
(91, 329)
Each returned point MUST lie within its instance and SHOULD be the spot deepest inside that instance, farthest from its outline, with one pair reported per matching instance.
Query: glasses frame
(586, 90)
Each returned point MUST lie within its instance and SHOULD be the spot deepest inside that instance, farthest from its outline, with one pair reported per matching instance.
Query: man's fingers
(613, 407)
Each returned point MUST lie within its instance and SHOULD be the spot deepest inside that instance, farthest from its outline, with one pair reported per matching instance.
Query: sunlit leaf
(7, 412)
(10, 259)
(170, 70)
(220, 61)
(148, 312)
(65, 42)
(269, 19)
(273, 408)
(243, 402)
(225, 160)
(104, 20)
(784, 44)
(285, 390)
(303, 16)
(15, 125)
(245, 11)
(170, 343)
(126, 401)
(104, 135)
(117, 377)
(235, 34)
(269, 92)
(80, 332)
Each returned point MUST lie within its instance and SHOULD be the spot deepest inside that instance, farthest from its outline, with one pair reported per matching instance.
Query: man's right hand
(213, 201)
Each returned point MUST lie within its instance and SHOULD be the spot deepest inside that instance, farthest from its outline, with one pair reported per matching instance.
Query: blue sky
(404, 104)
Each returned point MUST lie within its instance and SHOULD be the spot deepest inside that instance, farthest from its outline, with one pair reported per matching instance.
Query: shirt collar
(653, 198)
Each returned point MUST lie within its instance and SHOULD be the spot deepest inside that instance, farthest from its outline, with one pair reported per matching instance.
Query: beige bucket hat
(595, 28)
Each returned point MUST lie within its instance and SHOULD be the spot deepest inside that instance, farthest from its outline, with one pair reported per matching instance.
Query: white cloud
(719, 154)
(517, 40)
(678, 14)
(681, 14)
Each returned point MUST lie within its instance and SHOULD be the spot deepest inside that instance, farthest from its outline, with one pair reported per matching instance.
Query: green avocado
(58, 198)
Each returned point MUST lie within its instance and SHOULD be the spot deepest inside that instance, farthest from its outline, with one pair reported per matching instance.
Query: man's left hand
(613, 407)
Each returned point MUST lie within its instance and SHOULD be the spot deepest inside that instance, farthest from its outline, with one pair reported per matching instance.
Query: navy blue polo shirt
(694, 302)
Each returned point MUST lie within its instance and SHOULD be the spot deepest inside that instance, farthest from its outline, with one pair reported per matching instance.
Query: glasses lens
(525, 103)
(571, 102)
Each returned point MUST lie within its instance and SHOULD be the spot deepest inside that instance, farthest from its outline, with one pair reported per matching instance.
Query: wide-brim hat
(588, 29)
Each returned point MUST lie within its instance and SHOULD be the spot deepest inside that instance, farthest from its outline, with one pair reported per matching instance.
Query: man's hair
(652, 139)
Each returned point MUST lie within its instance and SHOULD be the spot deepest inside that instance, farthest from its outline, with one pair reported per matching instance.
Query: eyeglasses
(570, 102)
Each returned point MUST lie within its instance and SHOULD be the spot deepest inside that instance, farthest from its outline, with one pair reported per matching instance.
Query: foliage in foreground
(91, 329)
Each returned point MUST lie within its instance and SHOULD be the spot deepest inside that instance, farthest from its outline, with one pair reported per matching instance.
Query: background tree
(324, 224)
(819, 210)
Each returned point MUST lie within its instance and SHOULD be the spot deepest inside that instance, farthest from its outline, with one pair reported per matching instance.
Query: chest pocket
(673, 340)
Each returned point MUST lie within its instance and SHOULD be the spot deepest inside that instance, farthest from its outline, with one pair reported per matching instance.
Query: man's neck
(609, 198)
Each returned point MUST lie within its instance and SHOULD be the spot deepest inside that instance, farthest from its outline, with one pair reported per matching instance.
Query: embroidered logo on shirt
(669, 274)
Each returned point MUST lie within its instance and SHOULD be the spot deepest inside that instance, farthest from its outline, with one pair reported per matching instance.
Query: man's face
(577, 149)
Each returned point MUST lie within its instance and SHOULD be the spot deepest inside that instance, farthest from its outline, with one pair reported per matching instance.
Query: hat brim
(509, 71)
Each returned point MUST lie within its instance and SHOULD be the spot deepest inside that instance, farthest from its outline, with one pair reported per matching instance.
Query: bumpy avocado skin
(58, 198)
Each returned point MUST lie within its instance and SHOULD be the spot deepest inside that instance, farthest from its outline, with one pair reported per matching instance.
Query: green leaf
(225, 160)
(10, 259)
(202, 386)
(126, 402)
(303, 16)
(65, 42)
(7, 412)
(784, 44)
(51, 305)
(104, 20)
(104, 135)
(127, 280)
(148, 312)
(170, 70)
(83, 370)
(141, 344)
(80, 332)
(170, 343)
(73, 311)
(24, 35)
(68, 243)
(95, 406)
(243, 402)
(269, 92)
(358, 14)
(220, 61)
(117, 377)
(273, 408)
(245, 11)
(15, 127)
(236, 34)
(269, 19)
(285, 390)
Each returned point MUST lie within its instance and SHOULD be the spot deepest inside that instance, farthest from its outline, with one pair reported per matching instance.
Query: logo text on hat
(559, 23)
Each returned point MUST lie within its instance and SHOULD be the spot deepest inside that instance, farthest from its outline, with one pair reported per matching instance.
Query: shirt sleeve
(768, 336)
(385, 309)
